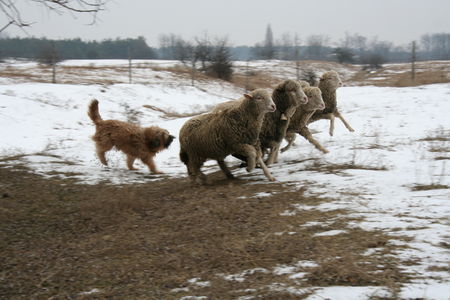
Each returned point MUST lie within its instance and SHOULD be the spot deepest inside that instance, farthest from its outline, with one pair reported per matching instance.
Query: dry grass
(421, 78)
(60, 238)
(254, 80)
(390, 75)
(399, 75)
(175, 115)
(332, 168)
(428, 187)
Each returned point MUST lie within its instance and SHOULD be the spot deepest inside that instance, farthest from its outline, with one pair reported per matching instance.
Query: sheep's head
(262, 99)
(303, 84)
(315, 99)
(289, 95)
(331, 79)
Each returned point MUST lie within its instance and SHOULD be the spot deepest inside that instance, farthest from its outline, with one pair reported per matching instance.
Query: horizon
(331, 43)
(399, 22)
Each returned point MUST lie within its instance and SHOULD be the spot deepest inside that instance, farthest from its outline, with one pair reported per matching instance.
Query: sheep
(233, 129)
(328, 84)
(288, 96)
(301, 116)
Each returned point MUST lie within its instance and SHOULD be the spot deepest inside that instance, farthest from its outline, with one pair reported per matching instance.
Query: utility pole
(247, 76)
(193, 71)
(297, 57)
(413, 61)
(129, 65)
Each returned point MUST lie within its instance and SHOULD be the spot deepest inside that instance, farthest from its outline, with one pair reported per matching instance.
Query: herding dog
(134, 141)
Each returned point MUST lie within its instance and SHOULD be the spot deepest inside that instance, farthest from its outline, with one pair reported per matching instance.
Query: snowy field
(400, 182)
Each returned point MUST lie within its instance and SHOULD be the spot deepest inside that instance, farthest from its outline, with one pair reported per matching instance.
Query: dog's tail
(93, 112)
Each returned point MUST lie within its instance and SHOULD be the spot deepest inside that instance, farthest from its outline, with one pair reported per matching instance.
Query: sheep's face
(300, 96)
(294, 91)
(262, 99)
(331, 79)
(315, 99)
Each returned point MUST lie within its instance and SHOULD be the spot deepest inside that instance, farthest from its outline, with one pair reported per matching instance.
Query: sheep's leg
(195, 174)
(290, 138)
(308, 136)
(265, 169)
(276, 154)
(249, 152)
(273, 155)
(331, 124)
(346, 124)
(224, 168)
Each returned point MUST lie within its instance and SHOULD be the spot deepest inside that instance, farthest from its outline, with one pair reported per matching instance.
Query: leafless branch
(14, 16)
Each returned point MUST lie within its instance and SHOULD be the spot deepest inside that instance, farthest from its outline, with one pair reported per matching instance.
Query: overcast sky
(244, 22)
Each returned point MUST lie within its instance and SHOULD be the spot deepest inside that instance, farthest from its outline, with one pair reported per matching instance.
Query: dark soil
(60, 239)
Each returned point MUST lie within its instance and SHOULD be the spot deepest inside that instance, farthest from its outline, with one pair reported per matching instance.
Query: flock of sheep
(256, 124)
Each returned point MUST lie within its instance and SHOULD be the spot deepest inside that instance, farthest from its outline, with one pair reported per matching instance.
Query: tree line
(353, 48)
(35, 48)
(214, 56)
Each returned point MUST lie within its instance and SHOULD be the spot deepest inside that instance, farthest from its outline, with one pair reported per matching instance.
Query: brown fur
(134, 141)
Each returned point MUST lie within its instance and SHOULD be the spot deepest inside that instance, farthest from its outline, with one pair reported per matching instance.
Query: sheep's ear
(283, 117)
(248, 96)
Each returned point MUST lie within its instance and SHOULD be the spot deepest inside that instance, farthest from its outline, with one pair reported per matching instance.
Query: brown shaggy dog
(134, 141)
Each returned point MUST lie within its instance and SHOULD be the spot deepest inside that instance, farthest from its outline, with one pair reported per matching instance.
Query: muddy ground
(168, 239)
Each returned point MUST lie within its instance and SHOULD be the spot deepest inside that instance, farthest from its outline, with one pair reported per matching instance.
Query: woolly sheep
(328, 84)
(288, 96)
(234, 129)
(301, 116)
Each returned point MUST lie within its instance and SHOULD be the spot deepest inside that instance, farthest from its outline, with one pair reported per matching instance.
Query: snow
(402, 140)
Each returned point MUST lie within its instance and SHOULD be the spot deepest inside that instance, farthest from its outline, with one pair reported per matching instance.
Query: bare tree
(344, 55)
(203, 50)
(13, 14)
(221, 66)
(167, 45)
(316, 45)
(357, 43)
(286, 47)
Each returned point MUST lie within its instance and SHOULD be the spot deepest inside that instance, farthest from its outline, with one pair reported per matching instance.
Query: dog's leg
(151, 164)
(101, 156)
(130, 162)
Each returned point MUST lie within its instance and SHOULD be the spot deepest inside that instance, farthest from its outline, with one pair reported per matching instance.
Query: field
(369, 220)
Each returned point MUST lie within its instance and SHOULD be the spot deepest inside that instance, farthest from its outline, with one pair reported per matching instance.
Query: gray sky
(244, 21)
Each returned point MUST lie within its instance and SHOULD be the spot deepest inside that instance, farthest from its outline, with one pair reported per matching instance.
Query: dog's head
(157, 139)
